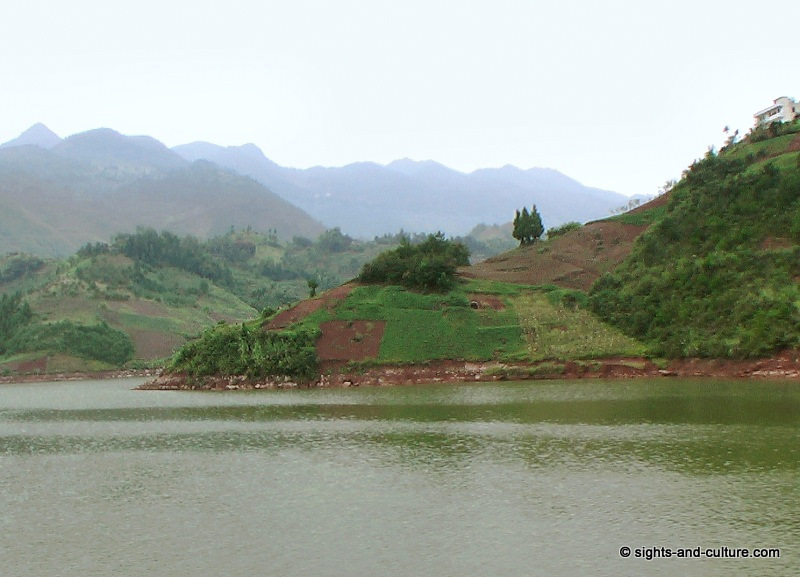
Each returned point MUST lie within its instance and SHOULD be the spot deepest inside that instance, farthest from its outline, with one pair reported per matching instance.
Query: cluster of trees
(97, 342)
(15, 313)
(18, 266)
(528, 226)
(429, 265)
(165, 248)
(232, 249)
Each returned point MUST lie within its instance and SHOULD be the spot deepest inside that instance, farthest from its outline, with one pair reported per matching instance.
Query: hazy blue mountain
(108, 148)
(250, 161)
(99, 183)
(37, 135)
(368, 199)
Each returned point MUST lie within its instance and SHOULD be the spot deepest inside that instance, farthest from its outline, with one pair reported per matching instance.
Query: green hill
(437, 318)
(708, 270)
(133, 302)
(716, 274)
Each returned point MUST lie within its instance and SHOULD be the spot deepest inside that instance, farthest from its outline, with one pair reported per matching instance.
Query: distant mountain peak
(37, 135)
(251, 149)
(107, 146)
(201, 150)
(412, 167)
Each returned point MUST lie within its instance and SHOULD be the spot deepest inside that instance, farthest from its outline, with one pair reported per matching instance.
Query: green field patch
(78, 309)
(422, 327)
(554, 331)
(72, 364)
(162, 324)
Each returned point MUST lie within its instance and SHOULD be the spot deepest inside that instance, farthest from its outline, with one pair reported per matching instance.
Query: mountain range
(369, 199)
(58, 194)
(56, 197)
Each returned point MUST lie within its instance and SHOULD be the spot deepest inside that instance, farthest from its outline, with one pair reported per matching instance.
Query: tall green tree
(528, 227)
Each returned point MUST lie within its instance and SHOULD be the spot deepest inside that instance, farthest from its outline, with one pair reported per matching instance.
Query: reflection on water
(493, 479)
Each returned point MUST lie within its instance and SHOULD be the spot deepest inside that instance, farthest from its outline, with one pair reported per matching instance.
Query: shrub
(563, 229)
(430, 265)
(243, 350)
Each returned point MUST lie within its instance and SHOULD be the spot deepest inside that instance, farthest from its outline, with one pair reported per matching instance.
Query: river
(542, 478)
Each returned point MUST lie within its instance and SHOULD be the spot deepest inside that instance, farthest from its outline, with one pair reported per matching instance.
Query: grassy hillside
(147, 293)
(390, 325)
(715, 274)
(361, 325)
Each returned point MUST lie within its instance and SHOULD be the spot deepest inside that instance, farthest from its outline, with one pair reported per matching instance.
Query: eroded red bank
(786, 365)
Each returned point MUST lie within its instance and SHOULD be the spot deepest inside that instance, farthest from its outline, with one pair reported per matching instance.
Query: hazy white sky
(620, 95)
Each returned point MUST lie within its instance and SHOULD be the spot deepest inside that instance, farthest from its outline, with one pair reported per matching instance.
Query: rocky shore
(786, 366)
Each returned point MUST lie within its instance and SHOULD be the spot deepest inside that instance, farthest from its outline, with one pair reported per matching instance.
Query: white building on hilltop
(783, 109)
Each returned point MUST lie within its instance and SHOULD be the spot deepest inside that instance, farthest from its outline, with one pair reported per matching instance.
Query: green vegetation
(248, 350)
(430, 265)
(423, 327)
(160, 289)
(563, 229)
(715, 274)
(18, 265)
(96, 342)
(485, 241)
(556, 327)
(528, 226)
(474, 321)
(14, 314)
(165, 249)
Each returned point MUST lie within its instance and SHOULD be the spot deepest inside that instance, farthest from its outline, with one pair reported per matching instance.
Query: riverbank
(79, 376)
(786, 366)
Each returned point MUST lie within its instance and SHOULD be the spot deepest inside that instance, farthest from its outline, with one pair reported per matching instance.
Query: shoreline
(785, 366)
(336, 375)
(79, 376)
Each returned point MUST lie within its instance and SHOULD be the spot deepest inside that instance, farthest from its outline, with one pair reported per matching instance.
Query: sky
(620, 95)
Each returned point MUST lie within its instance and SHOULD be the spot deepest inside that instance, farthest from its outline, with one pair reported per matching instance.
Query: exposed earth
(304, 308)
(573, 260)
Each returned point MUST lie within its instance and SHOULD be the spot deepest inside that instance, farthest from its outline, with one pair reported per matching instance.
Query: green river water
(514, 479)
